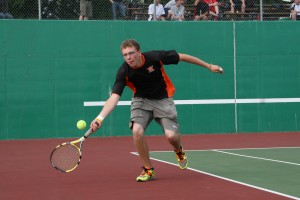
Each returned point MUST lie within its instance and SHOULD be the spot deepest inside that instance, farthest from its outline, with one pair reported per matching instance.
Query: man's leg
(143, 151)
(122, 10)
(175, 140)
(114, 10)
(294, 15)
(141, 145)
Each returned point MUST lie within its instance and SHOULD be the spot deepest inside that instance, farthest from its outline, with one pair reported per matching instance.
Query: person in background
(177, 11)
(153, 91)
(4, 10)
(160, 12)
(168, 6)
(295, 10)
(86, 9)
(233, 3)
(201, 11)
(118, 7)
(213, 6)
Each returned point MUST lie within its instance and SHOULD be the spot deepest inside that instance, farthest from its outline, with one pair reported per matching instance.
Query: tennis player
(152, 99)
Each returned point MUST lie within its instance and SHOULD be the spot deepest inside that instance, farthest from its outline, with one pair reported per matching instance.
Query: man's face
(132, 57)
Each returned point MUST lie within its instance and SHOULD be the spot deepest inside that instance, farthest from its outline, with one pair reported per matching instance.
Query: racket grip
(87, 133)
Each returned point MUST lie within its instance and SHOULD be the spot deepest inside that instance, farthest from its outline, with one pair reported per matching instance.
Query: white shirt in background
(159, 11)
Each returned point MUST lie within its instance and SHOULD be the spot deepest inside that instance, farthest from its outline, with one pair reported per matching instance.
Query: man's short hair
(130, 43)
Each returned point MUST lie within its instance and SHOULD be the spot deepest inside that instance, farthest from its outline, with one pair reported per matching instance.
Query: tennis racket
(67, 156)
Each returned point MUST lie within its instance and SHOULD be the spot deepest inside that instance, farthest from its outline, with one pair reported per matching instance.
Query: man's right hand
(95, 125)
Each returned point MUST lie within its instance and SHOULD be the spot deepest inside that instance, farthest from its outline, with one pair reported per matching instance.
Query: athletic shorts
(163, 111)
(86, 8)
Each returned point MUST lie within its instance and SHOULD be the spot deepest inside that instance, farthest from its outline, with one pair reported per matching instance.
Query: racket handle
(87, 133)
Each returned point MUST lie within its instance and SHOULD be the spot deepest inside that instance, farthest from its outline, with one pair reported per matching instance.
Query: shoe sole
(140, 180)
(185, 166)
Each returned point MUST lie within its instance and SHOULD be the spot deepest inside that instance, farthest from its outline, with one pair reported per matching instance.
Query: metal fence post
(261, 10)
(154, 13)
(40, 9)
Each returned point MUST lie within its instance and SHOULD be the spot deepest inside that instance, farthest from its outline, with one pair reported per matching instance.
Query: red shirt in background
(211, 8)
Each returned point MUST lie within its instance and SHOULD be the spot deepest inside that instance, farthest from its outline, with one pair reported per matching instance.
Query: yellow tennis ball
(81, 124)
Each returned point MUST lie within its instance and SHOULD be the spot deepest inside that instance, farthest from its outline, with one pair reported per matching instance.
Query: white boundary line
(208, 101)
(227, 179)
(239, 149)
(254, 157)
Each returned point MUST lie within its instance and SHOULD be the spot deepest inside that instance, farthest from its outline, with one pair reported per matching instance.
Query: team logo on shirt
(150, 69)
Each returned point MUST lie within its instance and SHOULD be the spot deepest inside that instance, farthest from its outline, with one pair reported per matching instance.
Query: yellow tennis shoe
(182, 159)
(146, 175)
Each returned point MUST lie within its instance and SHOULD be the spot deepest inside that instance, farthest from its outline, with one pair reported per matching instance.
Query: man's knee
(171, 135)
(137, 130)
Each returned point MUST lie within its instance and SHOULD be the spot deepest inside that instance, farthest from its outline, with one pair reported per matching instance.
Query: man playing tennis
(152, 99)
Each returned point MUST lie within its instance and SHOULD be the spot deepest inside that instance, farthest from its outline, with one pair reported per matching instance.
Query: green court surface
(276, 170)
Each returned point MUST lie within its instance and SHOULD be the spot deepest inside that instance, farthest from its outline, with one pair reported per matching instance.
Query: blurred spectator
(213, 6)
(201, 10)
(86, 9)
(168, 6)
(118, 7)
(4, 10)
(177, 11)
(234, 3)
(295, 10)
(160, 12)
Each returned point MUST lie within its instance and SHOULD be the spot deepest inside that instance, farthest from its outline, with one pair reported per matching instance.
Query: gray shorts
(143, 111)
(86, 8)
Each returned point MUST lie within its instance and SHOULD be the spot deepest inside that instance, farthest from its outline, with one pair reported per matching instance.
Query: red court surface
(108, 170)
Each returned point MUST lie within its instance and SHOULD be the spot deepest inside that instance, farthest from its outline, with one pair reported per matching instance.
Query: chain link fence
(137, 9)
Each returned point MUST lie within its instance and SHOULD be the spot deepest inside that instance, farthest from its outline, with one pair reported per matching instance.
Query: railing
(136, 10)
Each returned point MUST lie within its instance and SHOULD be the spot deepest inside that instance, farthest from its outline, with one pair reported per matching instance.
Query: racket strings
(66, 157)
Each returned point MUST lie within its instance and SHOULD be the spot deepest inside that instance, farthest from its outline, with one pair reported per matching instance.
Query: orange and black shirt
(150, 81)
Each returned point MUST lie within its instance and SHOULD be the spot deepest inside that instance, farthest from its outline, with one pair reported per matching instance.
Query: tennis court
(223, 166)
(274, 169)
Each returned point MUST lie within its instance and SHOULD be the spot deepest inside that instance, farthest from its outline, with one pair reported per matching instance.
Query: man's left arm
(199, 62)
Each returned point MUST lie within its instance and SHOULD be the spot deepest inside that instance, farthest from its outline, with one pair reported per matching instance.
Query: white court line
(208, 101)
(259, 158)
(239, 149)
(227, 179)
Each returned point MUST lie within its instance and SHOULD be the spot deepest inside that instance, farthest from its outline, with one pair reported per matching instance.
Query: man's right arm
(108, 107)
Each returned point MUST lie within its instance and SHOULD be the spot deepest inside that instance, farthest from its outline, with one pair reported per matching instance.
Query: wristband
(99, 118)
